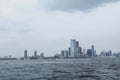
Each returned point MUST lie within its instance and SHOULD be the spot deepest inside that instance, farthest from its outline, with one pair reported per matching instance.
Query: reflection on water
(83, 69)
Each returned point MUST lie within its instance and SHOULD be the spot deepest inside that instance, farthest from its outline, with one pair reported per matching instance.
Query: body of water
(82, 69)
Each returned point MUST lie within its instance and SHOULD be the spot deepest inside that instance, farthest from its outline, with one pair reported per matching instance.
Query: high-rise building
(75, 51)
(25, 54)
(69, 51)
(64, 53)
(91, 52)
(35, 54)
(73, 48)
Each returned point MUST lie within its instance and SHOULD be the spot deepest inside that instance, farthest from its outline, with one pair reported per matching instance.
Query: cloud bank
(81, 5)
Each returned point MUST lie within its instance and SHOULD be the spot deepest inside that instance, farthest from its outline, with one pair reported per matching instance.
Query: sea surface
(82, 69)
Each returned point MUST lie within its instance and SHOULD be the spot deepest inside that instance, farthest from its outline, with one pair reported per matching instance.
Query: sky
(48, 25)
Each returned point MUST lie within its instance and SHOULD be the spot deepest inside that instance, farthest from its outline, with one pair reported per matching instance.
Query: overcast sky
(49, 25)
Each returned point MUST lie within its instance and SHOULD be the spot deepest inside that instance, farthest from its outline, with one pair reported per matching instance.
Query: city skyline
(74, 51)
(48, 25)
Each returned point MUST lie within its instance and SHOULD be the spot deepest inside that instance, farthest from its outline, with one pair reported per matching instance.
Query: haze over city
(49, 25)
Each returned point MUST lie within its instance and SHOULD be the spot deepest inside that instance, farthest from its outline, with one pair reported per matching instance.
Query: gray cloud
(81, 5)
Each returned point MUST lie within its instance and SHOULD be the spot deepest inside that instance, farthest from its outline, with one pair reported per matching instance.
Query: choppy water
(84, 69)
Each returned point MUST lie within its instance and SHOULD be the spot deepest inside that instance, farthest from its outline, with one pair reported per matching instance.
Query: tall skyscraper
(25, 54)
(74, 50)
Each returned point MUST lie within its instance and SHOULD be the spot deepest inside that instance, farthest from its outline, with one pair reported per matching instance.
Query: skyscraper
(25, 54)
(75, 51)
(35, 54)
(73, 48)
